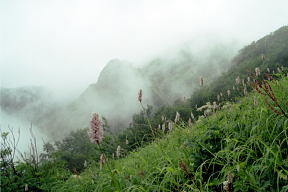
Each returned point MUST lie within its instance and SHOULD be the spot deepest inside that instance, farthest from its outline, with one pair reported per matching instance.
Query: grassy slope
(274, 49)
(247, 140)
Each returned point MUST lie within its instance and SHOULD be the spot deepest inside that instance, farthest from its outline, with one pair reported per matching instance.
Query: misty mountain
(269, 54)
(177, 78)
(163, 81)
(114, 95)
(18, 101)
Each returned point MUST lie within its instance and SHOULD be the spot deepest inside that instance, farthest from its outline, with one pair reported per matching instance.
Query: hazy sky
(64, 44)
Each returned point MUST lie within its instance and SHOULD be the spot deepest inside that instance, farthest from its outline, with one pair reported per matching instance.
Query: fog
(95, 55)
(64, 44)
(22, 134)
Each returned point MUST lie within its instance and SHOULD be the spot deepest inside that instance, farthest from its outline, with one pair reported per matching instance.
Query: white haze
(22, 134)
(64, 44)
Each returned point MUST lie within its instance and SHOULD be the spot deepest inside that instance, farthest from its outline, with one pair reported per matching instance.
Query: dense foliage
(247, 140)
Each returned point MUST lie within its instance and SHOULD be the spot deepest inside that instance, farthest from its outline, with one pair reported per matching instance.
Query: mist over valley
(165, 95)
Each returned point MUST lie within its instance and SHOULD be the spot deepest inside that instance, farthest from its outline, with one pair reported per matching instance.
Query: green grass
(246, 140)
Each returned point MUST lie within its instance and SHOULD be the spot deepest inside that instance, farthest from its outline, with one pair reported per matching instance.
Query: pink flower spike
(96, 131)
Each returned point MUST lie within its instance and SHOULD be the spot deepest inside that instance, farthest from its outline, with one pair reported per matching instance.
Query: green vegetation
(242, 139)
(246, 140)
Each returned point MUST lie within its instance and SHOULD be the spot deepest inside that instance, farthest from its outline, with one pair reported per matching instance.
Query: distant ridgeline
(246, 140)
(269, 55)
(163, 83)
(116, 94)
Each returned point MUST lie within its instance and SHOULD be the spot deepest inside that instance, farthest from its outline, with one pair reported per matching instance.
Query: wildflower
(102, 160)
(268, 70)
(163, 127)
(255, 100)
(177, 117)
(238, 168)
(192, 116)
(215, 106)
(237, 80)
(140, 95)
(170, 126)
(201, 81)
(228, 92)
(200, 118)
(95, 132)
(243, 82)
(262, 56)
(228, 184)
(226, 105)
(26, 187)
(279, 70)
(76, 176)
(257, 71)
(118, 151)
(189, 122)
(201, 108)
(245, 91)
(207, 106)
(207, 112)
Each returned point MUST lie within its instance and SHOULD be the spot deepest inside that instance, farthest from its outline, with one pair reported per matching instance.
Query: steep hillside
(244, 144)
(269, 54)
(162, 80)
(166, 80)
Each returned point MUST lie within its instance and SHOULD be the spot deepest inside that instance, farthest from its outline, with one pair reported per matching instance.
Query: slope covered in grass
(268, 54)
(246, 141)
